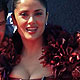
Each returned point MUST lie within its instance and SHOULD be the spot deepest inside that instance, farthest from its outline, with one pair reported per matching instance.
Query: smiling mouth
(31, 29)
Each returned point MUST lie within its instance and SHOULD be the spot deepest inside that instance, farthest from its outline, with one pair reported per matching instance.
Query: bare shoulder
(19, 72)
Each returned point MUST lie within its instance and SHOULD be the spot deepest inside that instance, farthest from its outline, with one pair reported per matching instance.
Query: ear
(13, 19)
(47, 16)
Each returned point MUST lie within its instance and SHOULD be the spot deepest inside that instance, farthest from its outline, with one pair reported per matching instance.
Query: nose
(31, 20)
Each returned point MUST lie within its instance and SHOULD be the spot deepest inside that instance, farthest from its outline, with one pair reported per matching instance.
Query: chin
(34, 38)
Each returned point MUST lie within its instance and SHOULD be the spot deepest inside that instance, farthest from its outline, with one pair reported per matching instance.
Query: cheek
(18, 19)
(21, 26)
(41, 27)
(20, 22)
(41, 23)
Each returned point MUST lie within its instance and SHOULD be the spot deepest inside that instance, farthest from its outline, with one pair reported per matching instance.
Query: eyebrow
(39, 10)
(34, 11)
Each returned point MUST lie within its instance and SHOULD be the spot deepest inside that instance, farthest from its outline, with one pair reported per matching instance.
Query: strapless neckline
(43, 78)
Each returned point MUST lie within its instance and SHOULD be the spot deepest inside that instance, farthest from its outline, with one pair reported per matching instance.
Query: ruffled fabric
(58, 53)
(8, 56)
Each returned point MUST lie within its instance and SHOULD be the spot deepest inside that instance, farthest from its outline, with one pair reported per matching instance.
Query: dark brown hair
(43, 2)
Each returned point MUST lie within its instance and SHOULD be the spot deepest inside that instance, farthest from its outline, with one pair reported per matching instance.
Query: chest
(35, 69)
(30, 68)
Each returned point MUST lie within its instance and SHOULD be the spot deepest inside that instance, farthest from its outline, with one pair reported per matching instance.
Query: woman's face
(2, 25)
(30, 16)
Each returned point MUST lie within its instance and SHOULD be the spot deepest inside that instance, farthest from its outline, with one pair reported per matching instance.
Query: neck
(32, 47)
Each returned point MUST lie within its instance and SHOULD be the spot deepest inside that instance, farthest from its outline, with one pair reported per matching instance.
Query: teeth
(31, 29)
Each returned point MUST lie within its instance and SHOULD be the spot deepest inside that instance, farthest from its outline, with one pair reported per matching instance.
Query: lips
(31, 29)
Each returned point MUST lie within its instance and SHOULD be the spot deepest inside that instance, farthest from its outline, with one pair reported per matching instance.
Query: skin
(30, 18)
(2, 25)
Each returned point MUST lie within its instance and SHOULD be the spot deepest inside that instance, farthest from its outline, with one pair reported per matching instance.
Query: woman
(30, 17)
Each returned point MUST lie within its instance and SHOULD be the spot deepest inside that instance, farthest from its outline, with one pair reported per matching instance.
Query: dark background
(65, 13)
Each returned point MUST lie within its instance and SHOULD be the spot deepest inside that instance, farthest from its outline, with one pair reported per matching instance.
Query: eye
(23, 14)
(38, 13)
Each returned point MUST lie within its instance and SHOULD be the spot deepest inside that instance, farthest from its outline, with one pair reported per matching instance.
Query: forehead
(29, 4)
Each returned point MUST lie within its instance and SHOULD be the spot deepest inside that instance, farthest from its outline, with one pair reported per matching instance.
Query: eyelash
(35, 14)
(38, 14)
(24, 14)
